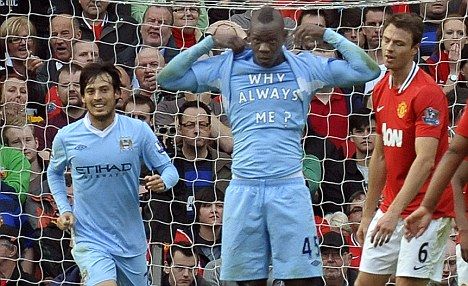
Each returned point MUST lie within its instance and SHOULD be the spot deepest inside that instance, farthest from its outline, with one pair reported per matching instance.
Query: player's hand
(417, 222)
(464, 244)
(306, 35)
(362, 230)
(384, 229)
(155, 183)
(226, 41)
(66, 221)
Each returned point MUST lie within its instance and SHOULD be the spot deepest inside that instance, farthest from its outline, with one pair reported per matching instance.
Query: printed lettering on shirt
(9, 3)
(431, 116)
(103, 171)
(392, 137)
(269, 92)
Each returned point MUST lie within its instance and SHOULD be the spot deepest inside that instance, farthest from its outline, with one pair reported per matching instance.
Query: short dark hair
(69, 68)
(360, 118)
(92, 70)
(313, 12)
(409, 22)
(184, 248)
(386, 10)
(193, 104)
(139, 99)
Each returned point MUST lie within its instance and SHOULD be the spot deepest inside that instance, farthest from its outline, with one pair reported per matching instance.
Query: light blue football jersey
(105, 167)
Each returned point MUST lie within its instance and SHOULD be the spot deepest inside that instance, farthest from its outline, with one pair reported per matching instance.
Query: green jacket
(15, 170)
(312, 170)
(138, 11)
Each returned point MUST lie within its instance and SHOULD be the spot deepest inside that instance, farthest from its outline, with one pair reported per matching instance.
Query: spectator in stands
(140, 107)
(373, 19)
(85, 52)
(22, 138)
(155, 30)
(114, 34)
(362, 134)
(12, 272)
(336, 260)
(71, 107)
(209, 205)
(312, 16)
(444, 63)
(185, 30)
(167, 111)
(18, 43)
(350, 26)
(64, 30)
(199, 166)
(148, 62)
(354, 212)
(14, 95)
(432, 13)
(126, 86)
(449, 275)
(180, 267)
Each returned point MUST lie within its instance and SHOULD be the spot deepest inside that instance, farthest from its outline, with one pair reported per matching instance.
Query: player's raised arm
(357, 66)
(55, 174)
(178, 75)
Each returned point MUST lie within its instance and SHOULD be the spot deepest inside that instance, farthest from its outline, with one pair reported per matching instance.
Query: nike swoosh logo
(417, 268)
(379, 108)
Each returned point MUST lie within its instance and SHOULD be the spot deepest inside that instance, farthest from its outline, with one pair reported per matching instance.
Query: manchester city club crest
(431, 116)
(402, 109)
(126, 143)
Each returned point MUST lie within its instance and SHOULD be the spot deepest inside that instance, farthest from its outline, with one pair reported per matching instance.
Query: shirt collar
(100, 133)
(85, 20)
(414, 70)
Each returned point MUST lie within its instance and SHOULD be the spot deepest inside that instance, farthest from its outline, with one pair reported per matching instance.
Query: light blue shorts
(97, 266)
(269, 221)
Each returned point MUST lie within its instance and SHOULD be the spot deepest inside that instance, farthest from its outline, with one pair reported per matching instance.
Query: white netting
(33, 92)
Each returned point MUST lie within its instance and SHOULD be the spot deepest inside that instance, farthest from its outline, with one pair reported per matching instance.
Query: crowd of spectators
(45, 44)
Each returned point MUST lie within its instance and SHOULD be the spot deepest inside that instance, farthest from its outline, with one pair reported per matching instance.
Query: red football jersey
(462, 129)
(417, 109)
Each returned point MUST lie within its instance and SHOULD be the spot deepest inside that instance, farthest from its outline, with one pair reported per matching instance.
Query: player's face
(453, 33)
(100, 98)
(195, 127)
(372, 28)
(266, 41)
(364, 138)
(182, 271)
(84, 53)
(69, 89)
(155, 29)
(211, 213)
(62, 33)
(22, 138)
(139, 111)
(397, 48)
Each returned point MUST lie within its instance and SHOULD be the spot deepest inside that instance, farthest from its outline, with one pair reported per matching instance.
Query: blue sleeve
(156, 158)
(55, 174)
(177, 74)
(357, 67)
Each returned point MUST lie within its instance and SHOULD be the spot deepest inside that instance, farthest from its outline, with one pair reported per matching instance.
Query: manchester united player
(452, 164)
(411, 120)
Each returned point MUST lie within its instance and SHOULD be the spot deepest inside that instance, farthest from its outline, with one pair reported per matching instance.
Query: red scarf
(183, 40)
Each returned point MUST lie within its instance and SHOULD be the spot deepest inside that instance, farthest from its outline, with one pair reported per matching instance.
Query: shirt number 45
(306, 249)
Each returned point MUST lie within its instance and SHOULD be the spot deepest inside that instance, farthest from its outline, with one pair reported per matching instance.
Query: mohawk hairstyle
(265, 14)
